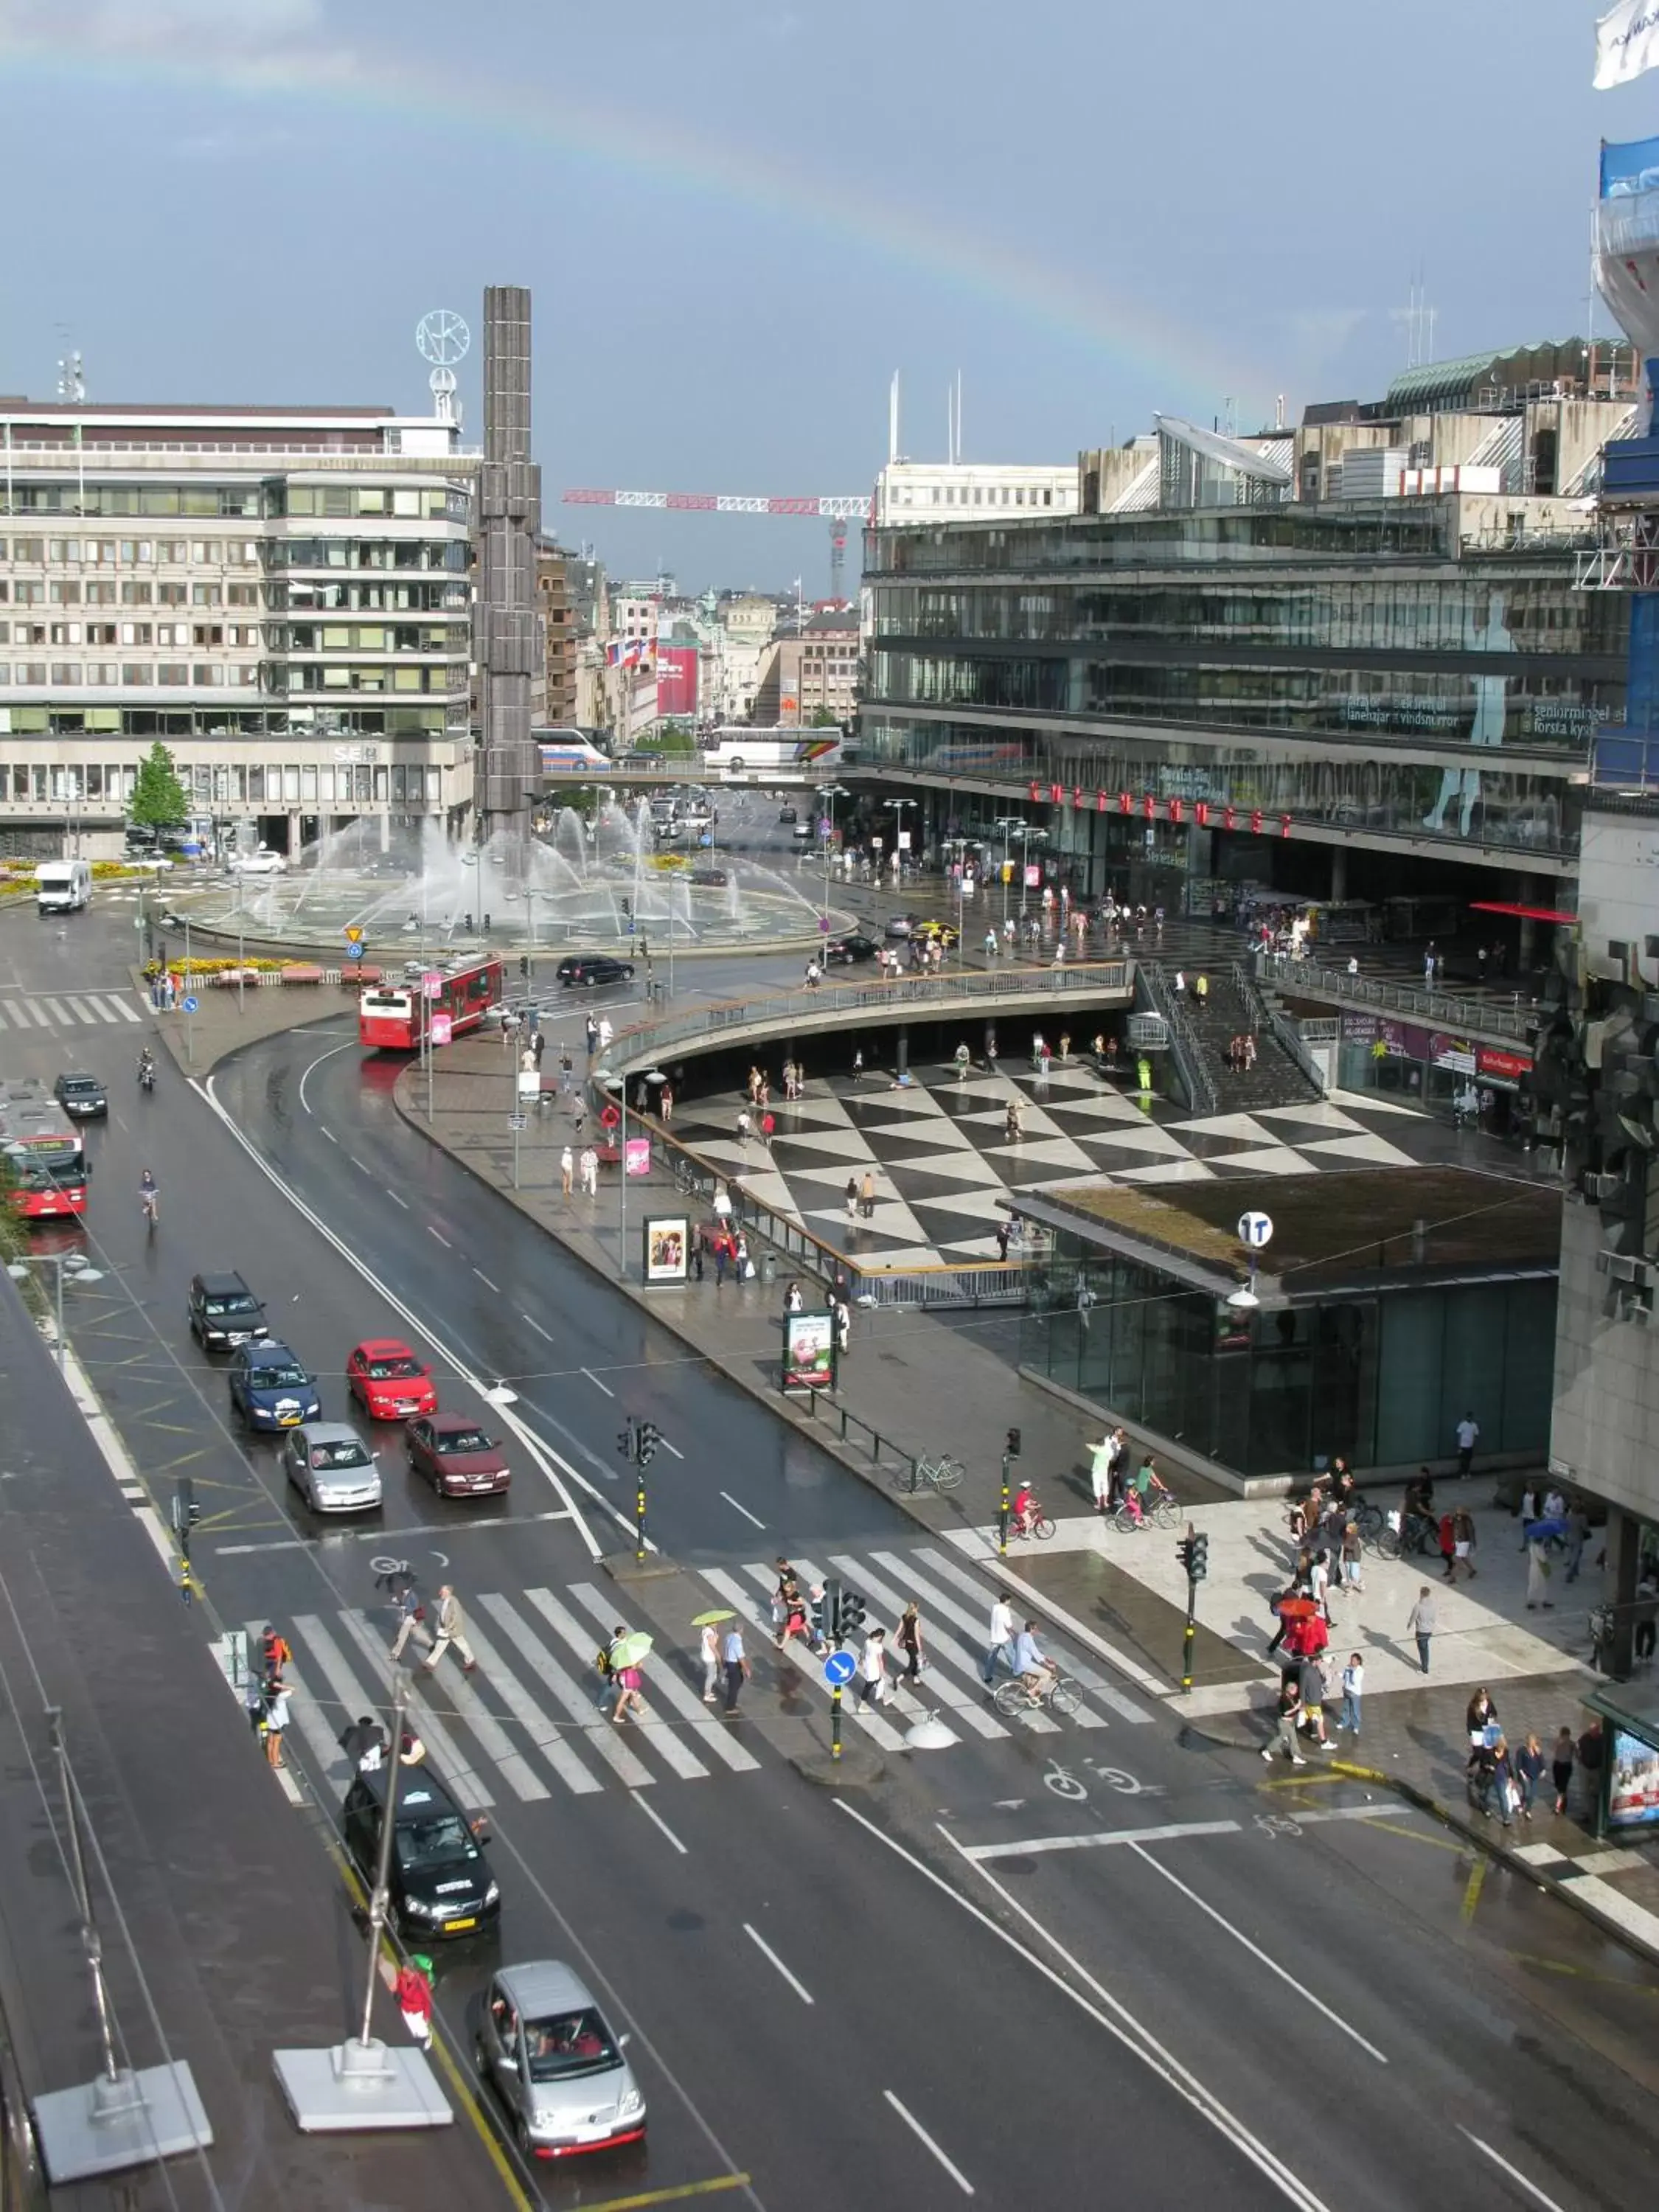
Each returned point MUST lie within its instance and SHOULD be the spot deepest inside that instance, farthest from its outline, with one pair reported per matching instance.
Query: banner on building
(1626, 42)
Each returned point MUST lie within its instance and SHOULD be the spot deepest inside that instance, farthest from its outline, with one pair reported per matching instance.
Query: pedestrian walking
(791, 1300)
(605, 1033)
(567, 1170)
(1354, 1693)
(1577, 1537)
(451, 1629)
(277, 1701)
(411, 1613)
(867, 1196)
(1468, 1436)
(1289, 1713)
(665, 1105)
(1529, 1764)
(907, 1638)
(567, 1069)
(735, 1661)
(1538, 1576)
(590, 1166)
(1528, 1512)
(871, 1682)
(708, 1651)
(1561, 1767)
(1448, 1533)
(1463, 1542)
(1353, 1557)
(537, 1047)
(629, 1681)
(1421, 1622)
(843, 1316)
(1001, 1643)
(852, 1196)
(1310, 1682)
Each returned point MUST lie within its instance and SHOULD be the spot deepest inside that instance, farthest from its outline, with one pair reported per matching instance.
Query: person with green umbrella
(627, 1657)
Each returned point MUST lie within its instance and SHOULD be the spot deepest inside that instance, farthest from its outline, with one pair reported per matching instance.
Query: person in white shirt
(1102, 1458)
(709, 1652)
(873, 1667)
(1468, 1436)
(1000, 1646)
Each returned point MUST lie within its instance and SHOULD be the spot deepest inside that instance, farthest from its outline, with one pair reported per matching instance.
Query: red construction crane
(838, 511)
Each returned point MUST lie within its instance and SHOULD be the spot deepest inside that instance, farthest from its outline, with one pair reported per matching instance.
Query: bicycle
(1161, 1513)
(1059, 1693)
(1040, 1530)
(941, 1474)
(149, 1202)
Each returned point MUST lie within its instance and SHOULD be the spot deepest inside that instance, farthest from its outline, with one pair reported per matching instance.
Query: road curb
(856, 1768)
(1480, 1838)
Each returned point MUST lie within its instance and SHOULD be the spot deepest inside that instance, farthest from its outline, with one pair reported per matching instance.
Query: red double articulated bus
(43, 1153)
(394, 1016)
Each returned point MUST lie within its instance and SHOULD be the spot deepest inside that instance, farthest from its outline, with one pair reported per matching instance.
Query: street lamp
(79, 1272)
(898, 806)
(832, 792)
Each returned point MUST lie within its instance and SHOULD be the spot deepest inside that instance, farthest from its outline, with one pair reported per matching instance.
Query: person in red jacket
(415, 1998)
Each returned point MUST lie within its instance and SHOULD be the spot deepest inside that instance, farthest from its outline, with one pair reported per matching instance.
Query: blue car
(270, 1389)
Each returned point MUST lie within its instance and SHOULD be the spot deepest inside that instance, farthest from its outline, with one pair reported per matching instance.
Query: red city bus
(43, 1152)
(392, 1016)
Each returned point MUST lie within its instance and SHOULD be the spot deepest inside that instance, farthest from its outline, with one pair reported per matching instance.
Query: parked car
(269, 1388)
(457, 1457)
(440, 1881)
(332, 1468)
(594, 969)
(224, 1312)
(849, 951)
(544, 2047)
(83, 1097)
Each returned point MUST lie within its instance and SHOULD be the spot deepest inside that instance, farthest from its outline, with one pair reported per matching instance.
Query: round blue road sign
(840, 1667)
(355, 951)
(190, 1004)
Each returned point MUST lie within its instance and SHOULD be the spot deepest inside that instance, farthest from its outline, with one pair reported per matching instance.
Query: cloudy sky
(739, 219)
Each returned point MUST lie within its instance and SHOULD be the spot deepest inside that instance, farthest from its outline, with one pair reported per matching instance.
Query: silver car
(332, 1467)
(543, 2044)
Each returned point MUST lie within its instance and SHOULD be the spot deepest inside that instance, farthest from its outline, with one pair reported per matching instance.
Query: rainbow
(1180, 366)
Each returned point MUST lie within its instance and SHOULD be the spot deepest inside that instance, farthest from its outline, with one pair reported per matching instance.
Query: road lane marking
(923, 2135)
(125, 1010)
(675, 1448)
(940, 1652)
(535, 1325)
(1176, 1832)
(1514, 2173)
(441, 1238)
(57, 1014)
(459, 1771)
(711, 1734)
(684, 1762)
(1471, 1889)
(396, 1200)
(743, 1509)
(597, 1385)
(1258, 1953)
(543, 1731)
(760, 1618)
(485, 1280)
(330, 1135)
(657, 1820)
(1092, 1681)
(676, 2195)
(1110, 2013)
(905, 1576)
(358, 1164)
(767, 1951)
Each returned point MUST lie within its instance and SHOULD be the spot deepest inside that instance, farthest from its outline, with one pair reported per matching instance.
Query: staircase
(1232, 1007)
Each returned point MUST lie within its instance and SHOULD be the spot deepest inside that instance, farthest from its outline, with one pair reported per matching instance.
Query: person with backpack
(275, 1653)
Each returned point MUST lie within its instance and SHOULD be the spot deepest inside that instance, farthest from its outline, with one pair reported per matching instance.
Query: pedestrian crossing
(64, 1011)
(534, 1721)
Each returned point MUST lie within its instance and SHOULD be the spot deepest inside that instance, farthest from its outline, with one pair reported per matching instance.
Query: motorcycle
(147, 1075)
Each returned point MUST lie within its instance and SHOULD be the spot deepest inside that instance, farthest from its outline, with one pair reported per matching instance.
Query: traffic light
(853, 1610)
(625, 1440)
(627, 909)
(186, 1511)
(1013, 1443)
(647, 1436)
(1184, 1553)
(827, 1608)
(524, 963)
(1199, 1565)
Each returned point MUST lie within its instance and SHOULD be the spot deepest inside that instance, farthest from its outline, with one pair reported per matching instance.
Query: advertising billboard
(676, 679)
(667, 1250)
(1633, 1784)
(809, 1352)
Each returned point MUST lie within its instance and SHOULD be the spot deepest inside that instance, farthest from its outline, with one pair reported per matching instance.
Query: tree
(158, 800)
(822, 720)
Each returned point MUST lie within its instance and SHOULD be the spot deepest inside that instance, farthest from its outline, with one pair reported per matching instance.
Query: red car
(455, 1455)
(389, 1383)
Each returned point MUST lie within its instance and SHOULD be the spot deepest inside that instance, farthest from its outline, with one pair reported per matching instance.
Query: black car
(713, 879)
(786, 816)
(594, 968)
(848, 952)
(224, 1312)
(440, 1881)
(82, 1097)
(270, 1388)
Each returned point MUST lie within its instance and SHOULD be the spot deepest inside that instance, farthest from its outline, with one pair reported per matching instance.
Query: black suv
(440, 1881)
(594, 968)
(224, 1312)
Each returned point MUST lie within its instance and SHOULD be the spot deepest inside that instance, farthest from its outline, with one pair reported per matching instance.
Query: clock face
(442, 337)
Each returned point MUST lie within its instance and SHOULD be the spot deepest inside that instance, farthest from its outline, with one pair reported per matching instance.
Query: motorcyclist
(147, 1069)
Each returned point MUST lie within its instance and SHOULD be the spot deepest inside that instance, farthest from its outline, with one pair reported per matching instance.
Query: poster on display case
(667, 1250)
(809, 1352)
(1633, 1783)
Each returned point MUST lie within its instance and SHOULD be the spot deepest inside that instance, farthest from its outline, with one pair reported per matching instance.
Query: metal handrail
(1278, 1026)
(1437, 1008)
(1186, 1049)
(646, 1041)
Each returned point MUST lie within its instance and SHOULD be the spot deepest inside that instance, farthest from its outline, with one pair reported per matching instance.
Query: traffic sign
(431, 983)
(518, 1120)
(1254, 1230)
(190, 1003)
(442, 1028)
(839, 1668)
(354, 932)
(354, 951)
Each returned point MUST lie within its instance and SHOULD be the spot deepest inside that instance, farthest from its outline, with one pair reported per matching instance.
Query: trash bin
(769, 1268)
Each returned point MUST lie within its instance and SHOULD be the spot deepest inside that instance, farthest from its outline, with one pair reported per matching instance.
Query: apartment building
(282, 595)
(813, 677)
(558, 613)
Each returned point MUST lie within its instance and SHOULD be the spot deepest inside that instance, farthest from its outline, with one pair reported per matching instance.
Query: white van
(63, 886)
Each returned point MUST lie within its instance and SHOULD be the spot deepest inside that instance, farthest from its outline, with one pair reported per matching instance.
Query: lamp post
(79, 1272)
(832, 792)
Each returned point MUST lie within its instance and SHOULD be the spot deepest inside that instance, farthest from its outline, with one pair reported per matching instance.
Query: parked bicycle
(1059, 1693)
(922, 1473)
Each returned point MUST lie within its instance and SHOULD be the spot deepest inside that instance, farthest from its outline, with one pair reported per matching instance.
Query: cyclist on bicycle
(147, 1195)
(1144, 1490)
(1025, 1509)
(1029, 1665)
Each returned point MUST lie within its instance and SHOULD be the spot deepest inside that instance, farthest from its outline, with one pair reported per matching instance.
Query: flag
(1626, 42)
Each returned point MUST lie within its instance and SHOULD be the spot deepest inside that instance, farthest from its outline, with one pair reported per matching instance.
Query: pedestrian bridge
(1072, 992)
